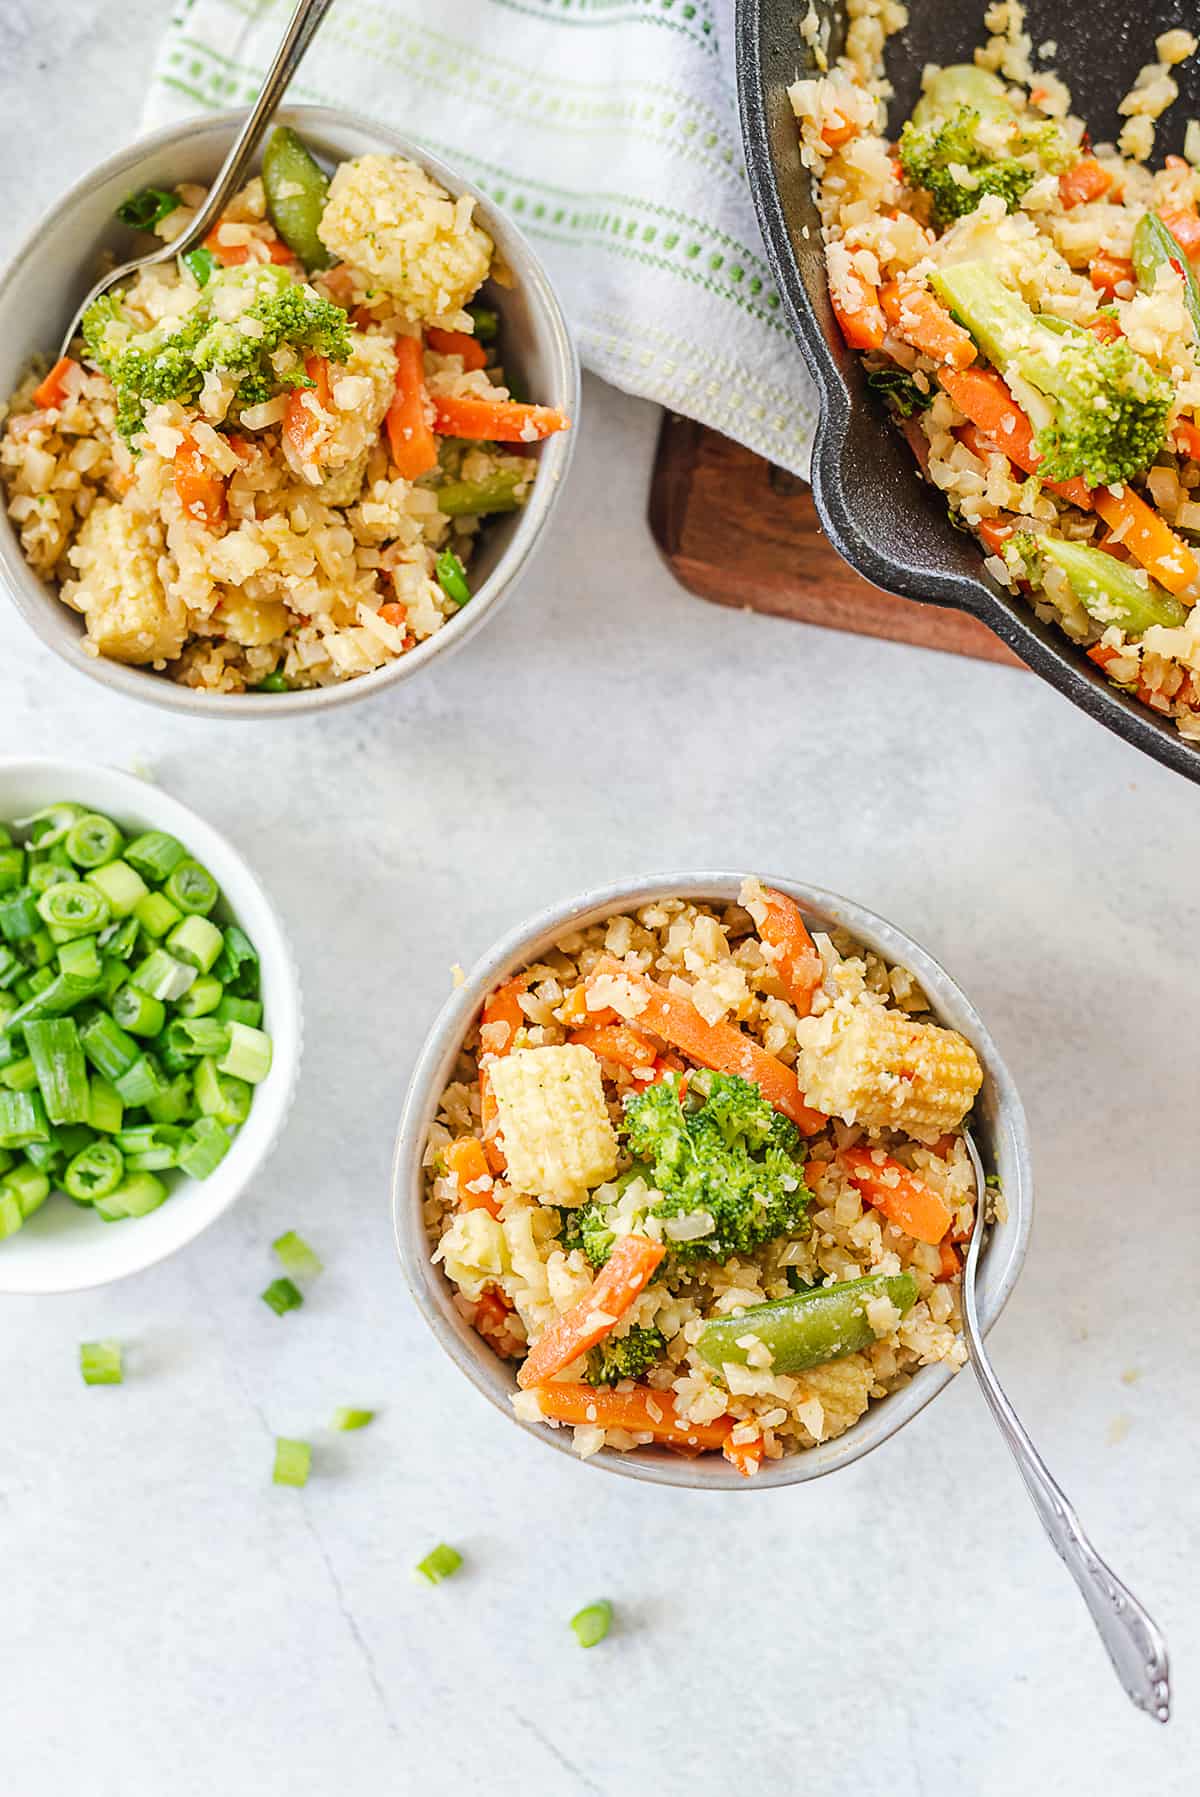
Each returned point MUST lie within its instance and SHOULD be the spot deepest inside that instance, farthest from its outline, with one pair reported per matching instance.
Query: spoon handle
(1131, 1638)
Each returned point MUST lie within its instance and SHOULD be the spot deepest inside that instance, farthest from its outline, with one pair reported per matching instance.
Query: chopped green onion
(155, 855)
(40, 948)
(19, 915)
(237, 964)
(197, 942)
(94, 1172)
(81, 958)
(237, 1010)
(156, 914)
(136, 1196)
(48, 873)
(295, 1255)
(92, 840)
(119, 939)
(57, 1055)
(141, 1082)
(12, 869)
(352, 1419)
(206, 1146)
(174, 1104)
(192, 888)
(107, 1046)
(452, 577)
(202, 998)
(219, 1095)
(441, 1563)
(121, 885)
(248, 1056)
(106, 1112)
(201, 262)
(293, 1462)
(20, 1075)
(29, 1185)
(137, 1012)
(592, 1623)
(162, 976)
(72, 907)
(100, 1363)
(147, 208)
(282, 1295)
(49, 827)
(12, 1217)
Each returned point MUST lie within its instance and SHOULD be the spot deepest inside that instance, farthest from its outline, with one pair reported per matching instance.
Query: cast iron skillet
(879, 514)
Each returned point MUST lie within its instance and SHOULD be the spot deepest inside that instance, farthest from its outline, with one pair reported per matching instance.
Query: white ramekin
(53, 268)
(998, 1122)
(65, 1247)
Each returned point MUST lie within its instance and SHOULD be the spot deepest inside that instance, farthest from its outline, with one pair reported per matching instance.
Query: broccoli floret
(587, 1229)
(1099, 409)
(899, 391)
(625, 1357)
(1108, 590)
(944, 155)
(730, 1162)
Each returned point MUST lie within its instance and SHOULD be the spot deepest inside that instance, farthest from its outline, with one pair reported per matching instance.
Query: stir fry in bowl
(266, 464)
(1028, 307)
(701, 1174)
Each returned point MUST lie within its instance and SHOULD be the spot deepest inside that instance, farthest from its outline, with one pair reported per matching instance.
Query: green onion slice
(452, 577)
(592, 1623)
(192, 888)
(442, 1563)
(352, 1419)
(282, 1295)
(293, 1461)
(70, 905)
(100, 1363)
(295, 1255)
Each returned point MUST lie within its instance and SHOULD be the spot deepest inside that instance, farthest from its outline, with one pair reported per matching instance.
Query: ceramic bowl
(50, 273)
(998, 1122)
(66, 1247)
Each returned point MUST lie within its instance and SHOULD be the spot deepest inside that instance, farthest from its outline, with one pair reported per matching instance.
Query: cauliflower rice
(319, 560)
(1064, 244)
(507, 1237)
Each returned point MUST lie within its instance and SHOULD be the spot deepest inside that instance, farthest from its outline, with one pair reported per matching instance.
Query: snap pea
(809, 1327)
(296, 188)
(1154, 244)
(476, 498)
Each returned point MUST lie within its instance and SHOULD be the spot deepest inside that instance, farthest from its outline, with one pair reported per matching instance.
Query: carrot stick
(394, 613)
(746, 1456)
(502, 1018)
(618, 1043)
(621, 1281)
(862, 322)
(407, 423)
(1108, 272)
(982, 396)
(301, 424)
(200, 489)
(950, 1265)
(920, 319)
(993, 533)
(1185, 229)
(642, 1411)
(456, 343)
(796, 959)
(1148, 537)
(838, 131)
(1086, 181)
(233, 255)
(904, 1199)
(52, 391)
(494, 420)
(1185, 437)
(719, 1045)
(467, 1160)
(1101, 654)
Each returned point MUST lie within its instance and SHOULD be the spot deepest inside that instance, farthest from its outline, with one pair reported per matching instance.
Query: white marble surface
(170, 1621)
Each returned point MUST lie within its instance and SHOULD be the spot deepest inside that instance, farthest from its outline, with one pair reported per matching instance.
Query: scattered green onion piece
(121, 885)
(220, 1096)
(452, 577)
(275, 682)
(192, 888)
(592, 1623)
(94, 1172)
(155, 855)
(73, 907)
(92, 840)
(156, 914)
(107, 1046)
(295, 1255)
(49, 827)
(293, 1462)
(29, 1185)
(248, 1056)
(202, 998)
(442, 1563)
(100, 1363)
(204, 1149)
(141, 1082)
(57, 1055)
(197, 942)
(136, 1196)
(106, 1111)
(282, 1295)
(137, 1012)
(352, 1419)
(162, 976)
(201, 263)
(39, 949)
(192, 1037)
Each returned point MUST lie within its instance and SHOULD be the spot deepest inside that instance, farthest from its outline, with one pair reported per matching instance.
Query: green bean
(452, 578)
(808, 1328)
(1153, 245)
(479, 498)
(296, 188)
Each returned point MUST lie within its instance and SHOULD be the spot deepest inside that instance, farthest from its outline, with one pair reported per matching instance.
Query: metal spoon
(302, 28)
(1130, 1635)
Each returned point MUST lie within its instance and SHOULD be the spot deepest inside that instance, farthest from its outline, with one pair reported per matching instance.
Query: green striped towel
(607, 128)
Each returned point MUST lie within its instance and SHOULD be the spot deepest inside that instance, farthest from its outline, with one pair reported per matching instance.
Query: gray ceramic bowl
(49, 274)
(998, 1123)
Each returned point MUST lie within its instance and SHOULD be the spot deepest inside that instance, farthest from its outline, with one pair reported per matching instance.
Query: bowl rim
(1003, 1256)
(32, 596)
(1044, 648)
(146, 798)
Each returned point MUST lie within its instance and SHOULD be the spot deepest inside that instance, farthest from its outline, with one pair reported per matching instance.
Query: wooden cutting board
(734, 529)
